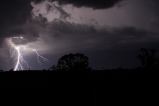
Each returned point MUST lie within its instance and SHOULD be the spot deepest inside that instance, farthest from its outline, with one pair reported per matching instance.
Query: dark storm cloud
(88, 37)
(146, 14)
(153, 5)
(13, 12)
(13, 16)
(95, 4)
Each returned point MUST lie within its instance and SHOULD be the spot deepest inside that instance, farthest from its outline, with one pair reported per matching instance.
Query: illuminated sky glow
(109, 32)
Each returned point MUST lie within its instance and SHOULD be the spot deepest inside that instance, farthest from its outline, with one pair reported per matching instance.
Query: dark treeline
(79, 62)
(77, 66)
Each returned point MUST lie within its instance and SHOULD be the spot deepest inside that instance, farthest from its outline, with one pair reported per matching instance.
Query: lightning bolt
(18, 64)
(21, 63)
(40, 58)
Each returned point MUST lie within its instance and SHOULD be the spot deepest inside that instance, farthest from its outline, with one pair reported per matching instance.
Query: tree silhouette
(148, 58)
(73, 62)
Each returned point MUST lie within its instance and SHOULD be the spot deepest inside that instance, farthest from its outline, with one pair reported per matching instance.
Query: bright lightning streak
(18, 59)
(40, 58)
(21, 63)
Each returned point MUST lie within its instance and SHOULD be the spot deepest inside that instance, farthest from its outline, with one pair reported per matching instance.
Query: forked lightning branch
(17, 52)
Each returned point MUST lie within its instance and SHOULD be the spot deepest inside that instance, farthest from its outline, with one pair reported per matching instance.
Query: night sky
(109, 32)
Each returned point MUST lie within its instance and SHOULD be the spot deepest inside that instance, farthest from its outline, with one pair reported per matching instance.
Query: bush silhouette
(73, 62)
(148, 58)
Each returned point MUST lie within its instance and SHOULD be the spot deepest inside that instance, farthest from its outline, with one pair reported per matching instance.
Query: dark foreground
(46, 79)
(82, 88)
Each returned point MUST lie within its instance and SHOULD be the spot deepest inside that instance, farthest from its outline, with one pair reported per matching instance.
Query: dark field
(47, 79)
(91, 88)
